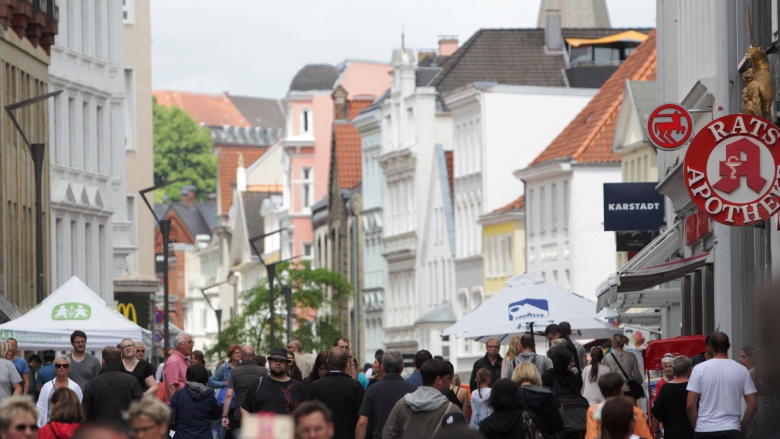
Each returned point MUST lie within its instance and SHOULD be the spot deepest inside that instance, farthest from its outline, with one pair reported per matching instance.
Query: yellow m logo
(128, 309)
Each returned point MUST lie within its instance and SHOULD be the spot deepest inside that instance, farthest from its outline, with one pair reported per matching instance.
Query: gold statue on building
(757, 94)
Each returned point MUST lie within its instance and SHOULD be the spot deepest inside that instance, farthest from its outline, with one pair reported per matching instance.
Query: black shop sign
(632, 206)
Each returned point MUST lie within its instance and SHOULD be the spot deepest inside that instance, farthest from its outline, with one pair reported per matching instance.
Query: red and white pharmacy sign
(669, 127)
(732, 169)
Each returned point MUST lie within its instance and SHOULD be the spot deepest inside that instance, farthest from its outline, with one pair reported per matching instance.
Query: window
(88, 253)
(307, 248)
(542, 209)
(99, 141)
(57, 142)
(129, 108)
(305, 121)
(554, 205)
(308, 190)
(103, 270)
(72, 140)
(60, 252)
(71, 24)
(74, 249)
(98, 29)
(530, 212)
(128, 11)
(410, 134)
(131, 216)
(566, 205)
(86, 41)
(489, 260)
(86, 136)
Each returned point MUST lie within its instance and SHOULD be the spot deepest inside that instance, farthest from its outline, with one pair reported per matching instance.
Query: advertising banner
(632, 206)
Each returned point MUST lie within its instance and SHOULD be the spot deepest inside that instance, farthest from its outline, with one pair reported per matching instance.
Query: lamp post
(217, 311)
(232, 279)
(271, 271)
(37, 151)
(165, 230)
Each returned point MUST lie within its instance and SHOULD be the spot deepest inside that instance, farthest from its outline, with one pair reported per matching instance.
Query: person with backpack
(480, 409)
(560, 378)
(510, 417)
(524, 351)
(540, 400)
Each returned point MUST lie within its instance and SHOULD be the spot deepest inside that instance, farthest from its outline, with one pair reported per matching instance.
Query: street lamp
(232, 279)
(217, 311)
(165, 230)
(271, 270)
(37, 151)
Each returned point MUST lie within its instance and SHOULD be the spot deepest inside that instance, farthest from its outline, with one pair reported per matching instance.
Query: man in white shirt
(714, 392)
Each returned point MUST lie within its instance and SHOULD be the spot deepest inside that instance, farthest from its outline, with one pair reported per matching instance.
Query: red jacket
(58, 430)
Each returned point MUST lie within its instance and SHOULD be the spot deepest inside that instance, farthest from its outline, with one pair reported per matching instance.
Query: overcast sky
(254, 48)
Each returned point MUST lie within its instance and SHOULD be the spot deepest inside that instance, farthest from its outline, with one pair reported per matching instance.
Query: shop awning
(630, 36)
(649, 268)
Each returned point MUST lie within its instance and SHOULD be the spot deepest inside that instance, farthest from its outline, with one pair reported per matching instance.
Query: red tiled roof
(211, 110)
(358, 105)
(227, 163)
(518, 204)
(588, 138)
(348, 155)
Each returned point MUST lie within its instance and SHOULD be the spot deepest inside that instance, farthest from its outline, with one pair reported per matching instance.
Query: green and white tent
(70, 307)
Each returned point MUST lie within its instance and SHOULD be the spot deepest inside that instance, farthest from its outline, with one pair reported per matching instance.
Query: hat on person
(279, 354)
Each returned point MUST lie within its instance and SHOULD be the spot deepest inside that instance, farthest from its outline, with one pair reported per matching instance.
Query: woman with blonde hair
(148, 418)
(66, 415)
(540, 400)
(61, 380)
(508, 364)
(623, 363)
(17, 418)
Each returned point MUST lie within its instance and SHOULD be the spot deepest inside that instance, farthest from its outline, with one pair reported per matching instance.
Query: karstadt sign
(632, 206)
(732, 169)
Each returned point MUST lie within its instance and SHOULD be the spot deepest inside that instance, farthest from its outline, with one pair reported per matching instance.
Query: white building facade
(92, 228)
(411, 129)
(369, 124)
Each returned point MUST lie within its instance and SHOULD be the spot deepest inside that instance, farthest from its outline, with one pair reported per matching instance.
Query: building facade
(26, 36)
(503, 238)
(88, 173)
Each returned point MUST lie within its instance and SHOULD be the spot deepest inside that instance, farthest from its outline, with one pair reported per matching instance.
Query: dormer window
(306, 121)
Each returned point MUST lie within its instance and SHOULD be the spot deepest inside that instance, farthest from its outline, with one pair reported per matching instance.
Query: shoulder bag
(634, 388)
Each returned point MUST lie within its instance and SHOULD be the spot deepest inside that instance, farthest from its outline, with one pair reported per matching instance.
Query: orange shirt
(593, 428)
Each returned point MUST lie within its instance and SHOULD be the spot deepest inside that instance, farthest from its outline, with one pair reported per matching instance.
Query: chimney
(448, 44)
(553, 38)
(340, 104)
(188, 195)
(241, 174)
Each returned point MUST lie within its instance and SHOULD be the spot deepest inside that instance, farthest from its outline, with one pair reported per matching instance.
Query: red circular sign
(669, 127)
(732, 169)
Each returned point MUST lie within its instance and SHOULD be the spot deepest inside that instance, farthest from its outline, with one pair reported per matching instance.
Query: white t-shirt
(721, 384)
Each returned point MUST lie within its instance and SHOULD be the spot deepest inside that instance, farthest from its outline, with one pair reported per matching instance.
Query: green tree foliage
(182, 149)
(314, 292)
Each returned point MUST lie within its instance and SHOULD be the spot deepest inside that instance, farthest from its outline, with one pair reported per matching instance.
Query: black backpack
(575, 414)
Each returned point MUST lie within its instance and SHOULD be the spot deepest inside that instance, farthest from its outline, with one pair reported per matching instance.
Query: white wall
(592, 249)
(92, 216)
(518, 123)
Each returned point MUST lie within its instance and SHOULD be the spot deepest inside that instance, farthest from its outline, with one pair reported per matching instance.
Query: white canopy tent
(528, 300)
(72, 306)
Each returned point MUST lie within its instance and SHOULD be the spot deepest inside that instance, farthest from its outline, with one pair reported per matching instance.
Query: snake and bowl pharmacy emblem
(71, 311)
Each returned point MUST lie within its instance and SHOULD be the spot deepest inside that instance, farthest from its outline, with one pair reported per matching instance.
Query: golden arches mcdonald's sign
(128, 310)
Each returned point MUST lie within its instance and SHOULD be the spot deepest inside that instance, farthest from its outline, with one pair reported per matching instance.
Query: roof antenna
(402, 38)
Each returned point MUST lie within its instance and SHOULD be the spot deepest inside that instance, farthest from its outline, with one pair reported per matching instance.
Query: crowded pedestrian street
(428, 219)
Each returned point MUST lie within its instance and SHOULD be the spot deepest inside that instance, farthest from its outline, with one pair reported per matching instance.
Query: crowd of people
(563, 393)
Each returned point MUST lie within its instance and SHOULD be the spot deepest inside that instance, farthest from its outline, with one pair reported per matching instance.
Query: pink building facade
(307, 141)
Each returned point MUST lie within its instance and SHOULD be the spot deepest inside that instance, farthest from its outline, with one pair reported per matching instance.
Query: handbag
(530, 429)
(634, 388)
(222, 393)
(172, 415)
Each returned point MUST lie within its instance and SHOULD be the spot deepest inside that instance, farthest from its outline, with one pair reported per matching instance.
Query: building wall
(23, 75)
(369, 124)
(592, 250)
(366, 78)
(518, 123)
(139, 147)
(503, 253)
(89, 202)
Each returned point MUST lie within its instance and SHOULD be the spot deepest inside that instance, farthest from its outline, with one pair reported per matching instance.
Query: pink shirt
(175, 370)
